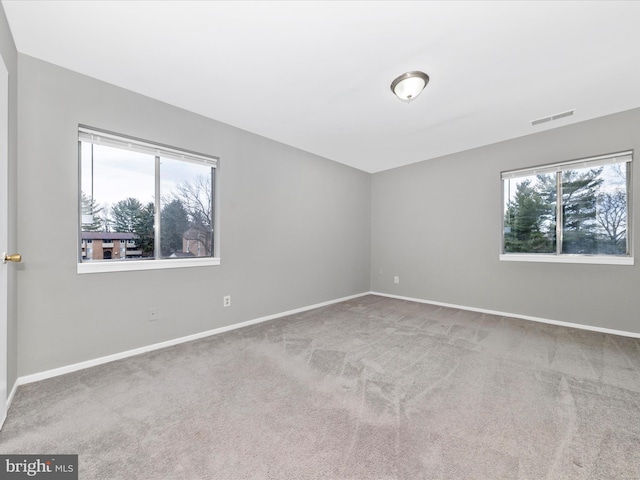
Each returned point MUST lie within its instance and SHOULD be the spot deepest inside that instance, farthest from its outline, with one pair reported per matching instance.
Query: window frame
(157, 150)
(558, 256)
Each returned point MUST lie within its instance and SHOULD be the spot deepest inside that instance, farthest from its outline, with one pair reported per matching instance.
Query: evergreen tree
(579, 194)
(526, 222)
(126, 214)
(91, 210)
(530, 216)
(144, 230)
(174, 222)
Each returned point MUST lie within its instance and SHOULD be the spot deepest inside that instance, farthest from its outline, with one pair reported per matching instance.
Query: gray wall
(295, 228)
(437, 225)
(9, 56)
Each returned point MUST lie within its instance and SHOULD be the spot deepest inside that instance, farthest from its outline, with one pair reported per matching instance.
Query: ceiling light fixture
(409, 85)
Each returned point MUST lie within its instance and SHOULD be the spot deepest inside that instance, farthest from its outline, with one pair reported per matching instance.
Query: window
(160, 199)
(573, 212)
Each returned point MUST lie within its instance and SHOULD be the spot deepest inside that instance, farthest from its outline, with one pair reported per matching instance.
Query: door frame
(4, 236)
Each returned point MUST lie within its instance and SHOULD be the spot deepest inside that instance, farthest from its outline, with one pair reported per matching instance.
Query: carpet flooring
(371, 388)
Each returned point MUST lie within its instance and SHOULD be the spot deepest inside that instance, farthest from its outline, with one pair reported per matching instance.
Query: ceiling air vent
(550, 118)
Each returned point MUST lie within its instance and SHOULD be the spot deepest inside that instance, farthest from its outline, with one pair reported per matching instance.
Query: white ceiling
(316, 75)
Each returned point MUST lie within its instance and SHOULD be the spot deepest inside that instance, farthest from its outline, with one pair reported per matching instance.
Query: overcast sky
(119, 174)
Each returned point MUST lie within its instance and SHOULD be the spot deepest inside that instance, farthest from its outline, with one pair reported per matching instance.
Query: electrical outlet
(396, 279)
(226, 300)
(152, 314)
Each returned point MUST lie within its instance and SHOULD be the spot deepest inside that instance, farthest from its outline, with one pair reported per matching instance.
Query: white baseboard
(12, 394)
(169, 343)
(176, 341)
(515, 315)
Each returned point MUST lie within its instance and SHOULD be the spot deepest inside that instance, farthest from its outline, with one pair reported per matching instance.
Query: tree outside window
(163, 196)
(580, 208)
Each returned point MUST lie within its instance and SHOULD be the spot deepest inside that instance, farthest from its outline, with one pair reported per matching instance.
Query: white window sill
(98, 266)
(585, 259)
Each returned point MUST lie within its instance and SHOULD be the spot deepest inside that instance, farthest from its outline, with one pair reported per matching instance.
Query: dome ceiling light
(409, 85)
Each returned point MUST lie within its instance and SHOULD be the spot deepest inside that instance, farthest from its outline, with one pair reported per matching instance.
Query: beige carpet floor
(372, 388)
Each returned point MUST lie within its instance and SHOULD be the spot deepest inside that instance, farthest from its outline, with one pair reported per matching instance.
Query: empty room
(319, 240)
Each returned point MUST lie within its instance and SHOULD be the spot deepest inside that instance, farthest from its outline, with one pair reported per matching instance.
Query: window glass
(595, 210)
(118, 196)
(530, 214)
(588, 216)
(186, 209)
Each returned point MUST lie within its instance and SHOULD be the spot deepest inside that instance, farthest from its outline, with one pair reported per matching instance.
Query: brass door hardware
(14, 257)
